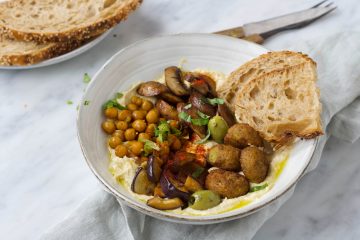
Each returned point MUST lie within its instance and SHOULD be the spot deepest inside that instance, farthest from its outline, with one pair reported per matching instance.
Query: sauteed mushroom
(166, 110)
(174, 81)
(199, 130)
(202, 83)
(199, 101)
(226, 113)
(171, 98)
(151, 88)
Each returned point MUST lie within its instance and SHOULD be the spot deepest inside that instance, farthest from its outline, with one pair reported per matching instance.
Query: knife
(259, 31)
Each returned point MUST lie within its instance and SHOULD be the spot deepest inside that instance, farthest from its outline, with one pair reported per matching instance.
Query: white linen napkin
(101, 216)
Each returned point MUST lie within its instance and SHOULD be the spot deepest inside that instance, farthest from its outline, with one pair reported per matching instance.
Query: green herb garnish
(119, 95)
(162, 131)
(200, 121)
(69, 102)
(86, 78)
(202, 115)
(184, 116)
(149, 146)
(201, 141)
(215, 101)
(86, 102)
(188, 106)
(198, 171)
(258, 188)
(175, 131)
(113, 103)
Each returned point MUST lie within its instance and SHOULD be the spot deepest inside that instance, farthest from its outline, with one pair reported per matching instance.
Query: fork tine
(314, 19)
(320, 3)
(328, 5)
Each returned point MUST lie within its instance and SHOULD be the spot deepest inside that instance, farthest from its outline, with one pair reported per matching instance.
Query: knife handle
(238, 32)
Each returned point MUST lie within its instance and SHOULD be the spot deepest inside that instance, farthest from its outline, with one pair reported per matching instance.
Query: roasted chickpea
(147, 105)
(144, 136)
(111, 112)
(136, 100)
(130, 134)
(132, 106)
(138, 115)
(150, 129)
(121, 151)
(108, 126)
(174, 123)
(121, 125)
(114, 141)
(139, 125)
(120, 134)
(152, 116)
(124, 115)
(136, 148)
(176, 145)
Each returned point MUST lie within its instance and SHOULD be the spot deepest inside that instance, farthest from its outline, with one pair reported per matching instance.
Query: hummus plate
(144, 61)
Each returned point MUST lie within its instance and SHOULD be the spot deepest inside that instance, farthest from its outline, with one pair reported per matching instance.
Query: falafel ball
(242, 135)
(254, 164)
(225, 157)
(226, 183)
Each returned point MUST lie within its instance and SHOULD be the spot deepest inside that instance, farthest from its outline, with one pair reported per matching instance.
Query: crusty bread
(60, 21)
(15, 52)
(282, 103)
(256, 67)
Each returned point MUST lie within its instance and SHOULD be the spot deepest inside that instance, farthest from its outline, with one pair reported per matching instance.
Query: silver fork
(259, 31)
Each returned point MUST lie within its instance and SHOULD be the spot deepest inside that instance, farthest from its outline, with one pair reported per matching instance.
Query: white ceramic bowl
(144, 61)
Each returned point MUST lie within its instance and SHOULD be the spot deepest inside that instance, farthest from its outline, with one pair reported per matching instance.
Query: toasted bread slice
(256, 67)
(282, 103)
(15, 52)
(60, 21)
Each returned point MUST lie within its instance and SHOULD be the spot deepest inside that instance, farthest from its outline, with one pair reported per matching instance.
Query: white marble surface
(42, 172)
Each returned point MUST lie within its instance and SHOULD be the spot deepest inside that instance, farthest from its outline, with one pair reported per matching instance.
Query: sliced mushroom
(199, 130)
(174, 81)
(151, 88)
(165, 204)
(202, 83)
(171, 98)
(199, 101)
(226, 113)
(166, 110)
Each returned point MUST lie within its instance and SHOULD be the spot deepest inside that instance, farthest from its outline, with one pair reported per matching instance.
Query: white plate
(146, 60)
(63, 57)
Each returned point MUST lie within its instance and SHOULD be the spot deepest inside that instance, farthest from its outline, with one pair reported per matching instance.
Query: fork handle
(238, 32)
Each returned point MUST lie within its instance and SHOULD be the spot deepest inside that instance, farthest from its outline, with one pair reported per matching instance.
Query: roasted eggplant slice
(173, 79)
(165, 204)
(166, 110)
(226, 113)
(171, 98)
(151, 88)
(172, 188)
(199, 101)
(141, 184)
(154, 169)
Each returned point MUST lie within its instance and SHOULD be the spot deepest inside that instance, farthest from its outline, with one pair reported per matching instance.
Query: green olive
(218, 128)
(204, 199)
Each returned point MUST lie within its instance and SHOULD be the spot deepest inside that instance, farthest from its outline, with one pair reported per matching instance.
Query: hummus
(123, 169)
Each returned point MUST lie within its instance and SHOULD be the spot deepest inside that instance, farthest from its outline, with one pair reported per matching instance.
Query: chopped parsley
(198, 171)
(113, 103)
(86, 78)
(200, 121)
(69, 102)
(162, 131)
(149, 146)
(258, 188)
(86, 102)
(188, 106)
(215, 101)
(119, 95)
(175, 131)
(184, 116)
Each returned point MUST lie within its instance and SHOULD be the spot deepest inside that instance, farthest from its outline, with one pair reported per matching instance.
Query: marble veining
(43, 176)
